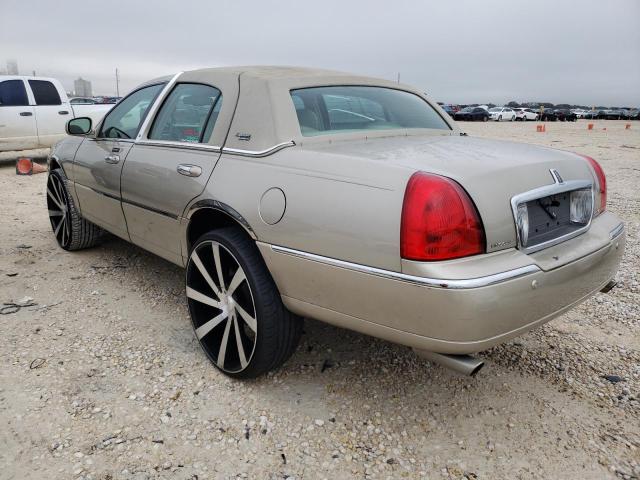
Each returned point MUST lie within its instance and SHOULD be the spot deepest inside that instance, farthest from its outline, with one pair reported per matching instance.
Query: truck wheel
(72, 232)
(235, 307)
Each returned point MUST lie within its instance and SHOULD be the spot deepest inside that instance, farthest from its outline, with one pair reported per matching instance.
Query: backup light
(522, 223)
(581, 206)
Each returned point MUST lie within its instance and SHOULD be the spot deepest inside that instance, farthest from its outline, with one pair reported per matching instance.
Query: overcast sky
(462, 51)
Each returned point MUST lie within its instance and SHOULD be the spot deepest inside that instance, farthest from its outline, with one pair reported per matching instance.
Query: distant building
(82, 87)
(12, 67)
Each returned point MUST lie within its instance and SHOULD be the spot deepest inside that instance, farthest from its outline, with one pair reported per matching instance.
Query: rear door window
(44, 92)
(13, 94)
(188, 114)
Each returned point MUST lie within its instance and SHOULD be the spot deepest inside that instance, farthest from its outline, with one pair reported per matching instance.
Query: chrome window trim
(555, 188)
(183, 145)
(454, 284)
(151, 114)
(258, 153)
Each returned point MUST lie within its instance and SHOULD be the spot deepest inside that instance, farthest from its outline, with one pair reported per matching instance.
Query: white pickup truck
(35, 110)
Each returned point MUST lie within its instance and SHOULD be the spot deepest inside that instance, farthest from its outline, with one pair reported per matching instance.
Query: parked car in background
(446, 243)
(548, 115)
(448, 109)
(590, 114)
(617, 114)
(502, 113)
(579, 112)
(35, 110)
(472, 114)
(524, 114)
(82, 101)
(634, 114)
(107, 100)
(565, 115)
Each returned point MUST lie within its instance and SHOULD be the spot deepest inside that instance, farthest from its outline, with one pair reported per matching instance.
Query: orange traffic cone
(26, 166)
(540, 128)
(627, 126)
(590, 126)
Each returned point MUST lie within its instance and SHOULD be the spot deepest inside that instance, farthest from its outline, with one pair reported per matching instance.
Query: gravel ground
(102, 377)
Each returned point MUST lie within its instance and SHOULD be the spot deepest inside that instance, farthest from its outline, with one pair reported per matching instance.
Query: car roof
(265, 111)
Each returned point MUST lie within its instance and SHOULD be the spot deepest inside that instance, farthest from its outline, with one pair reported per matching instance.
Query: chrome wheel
(58, 206)
(222, 306)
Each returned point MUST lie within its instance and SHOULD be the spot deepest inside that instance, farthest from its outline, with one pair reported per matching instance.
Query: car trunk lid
(491, 171)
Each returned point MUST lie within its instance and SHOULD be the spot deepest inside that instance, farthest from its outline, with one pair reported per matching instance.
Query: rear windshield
(342, 109)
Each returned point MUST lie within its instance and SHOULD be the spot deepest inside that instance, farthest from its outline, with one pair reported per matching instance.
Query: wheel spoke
(58, 227)
(55, 213)
(203, 271)
(55, 200)
(246, 317)
(236, 280)
(199, 297)
(223, 344)
(67, 226)
(57, 187)
(65, 232)
(202, 330)
(216, 258)
(241, 354)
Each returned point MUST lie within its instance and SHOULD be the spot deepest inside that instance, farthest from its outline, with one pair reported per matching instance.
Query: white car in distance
(524, 114)
(502, 113)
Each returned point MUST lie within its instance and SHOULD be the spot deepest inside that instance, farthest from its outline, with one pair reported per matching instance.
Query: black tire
(277, 331)
(485, 118)
(72, 232)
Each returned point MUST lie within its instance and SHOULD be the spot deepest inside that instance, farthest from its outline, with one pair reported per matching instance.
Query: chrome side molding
(616, 232)
(180, 145)
(428, 282)
(258, 153)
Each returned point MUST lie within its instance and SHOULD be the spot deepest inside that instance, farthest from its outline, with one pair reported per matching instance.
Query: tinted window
(124, 120)
(13, 93)
(45, 93)
(188, 114)
(326, 110)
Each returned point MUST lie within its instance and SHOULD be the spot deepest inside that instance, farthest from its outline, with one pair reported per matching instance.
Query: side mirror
(79, 126)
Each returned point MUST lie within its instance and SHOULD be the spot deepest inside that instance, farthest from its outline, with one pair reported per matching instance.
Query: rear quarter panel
(353, 216)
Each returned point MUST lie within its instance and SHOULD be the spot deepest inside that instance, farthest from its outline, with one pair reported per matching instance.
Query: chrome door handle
(189, 170)
(112, 158)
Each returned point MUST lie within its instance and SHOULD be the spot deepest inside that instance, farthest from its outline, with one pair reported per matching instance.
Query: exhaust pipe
(464, 364)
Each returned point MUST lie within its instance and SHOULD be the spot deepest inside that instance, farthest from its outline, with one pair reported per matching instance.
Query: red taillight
(601, 185)
(439, 220)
